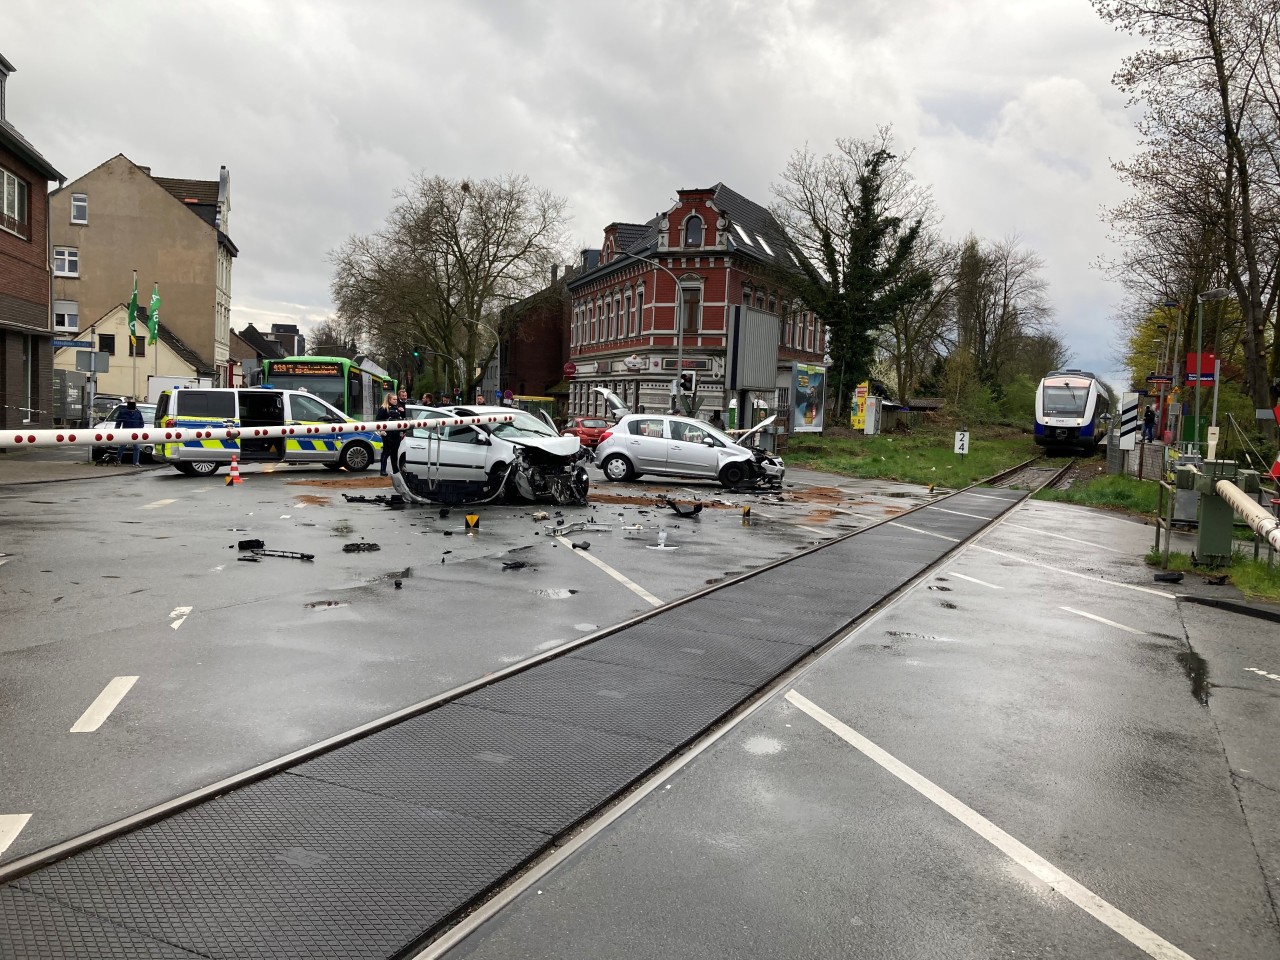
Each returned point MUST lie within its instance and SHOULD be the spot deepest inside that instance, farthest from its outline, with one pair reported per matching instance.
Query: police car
(240, 407)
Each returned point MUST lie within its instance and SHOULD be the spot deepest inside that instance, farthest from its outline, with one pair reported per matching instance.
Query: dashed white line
(1263, 673)
(1140, 936)
(181, 614)
(1082, 576)
(985, 496)
(101, 708)
(1109, 623)
(927, 533)
(157, 503)
(629, 584)
(971, 516)
(981, 583)
(1059, 536)
(11, 825)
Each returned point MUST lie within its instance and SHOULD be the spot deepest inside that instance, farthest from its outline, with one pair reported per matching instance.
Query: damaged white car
(524, 459)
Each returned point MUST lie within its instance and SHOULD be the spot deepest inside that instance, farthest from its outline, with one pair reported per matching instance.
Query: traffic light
(687, 383)
(415, 351)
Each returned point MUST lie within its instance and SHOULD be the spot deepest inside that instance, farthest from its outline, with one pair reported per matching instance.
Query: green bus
(354, 389)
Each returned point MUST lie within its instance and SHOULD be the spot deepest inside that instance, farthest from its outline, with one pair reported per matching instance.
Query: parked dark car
(586, 429)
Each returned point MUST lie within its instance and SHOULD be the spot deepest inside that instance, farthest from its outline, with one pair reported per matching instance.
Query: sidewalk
(55, 465)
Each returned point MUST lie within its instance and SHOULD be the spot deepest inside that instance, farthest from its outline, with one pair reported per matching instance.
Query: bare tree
(1001, 303)
(332, 337)
(451, 255)
(1209, 170)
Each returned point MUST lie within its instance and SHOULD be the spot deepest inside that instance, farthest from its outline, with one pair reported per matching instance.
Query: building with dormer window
(717, 250)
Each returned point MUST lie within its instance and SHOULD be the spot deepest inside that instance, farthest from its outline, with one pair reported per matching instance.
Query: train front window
(1065, 400)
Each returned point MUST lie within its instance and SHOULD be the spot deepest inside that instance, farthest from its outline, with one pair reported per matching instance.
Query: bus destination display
(280, 368)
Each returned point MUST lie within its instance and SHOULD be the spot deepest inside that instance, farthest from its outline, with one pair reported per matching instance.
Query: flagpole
(133, 344)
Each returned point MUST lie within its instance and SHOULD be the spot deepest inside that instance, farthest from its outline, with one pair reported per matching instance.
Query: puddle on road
(905, 635)
(948, 605)
(404, 574)
(553, 593)
(1197, 671)
(762, 746)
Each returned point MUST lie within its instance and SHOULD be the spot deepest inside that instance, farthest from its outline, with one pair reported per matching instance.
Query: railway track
(1034, 475)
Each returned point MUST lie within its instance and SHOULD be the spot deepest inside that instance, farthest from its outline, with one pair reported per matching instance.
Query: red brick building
(26, 323)
(724, 250)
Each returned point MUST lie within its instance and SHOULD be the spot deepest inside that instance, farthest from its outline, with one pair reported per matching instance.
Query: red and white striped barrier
(15, 439)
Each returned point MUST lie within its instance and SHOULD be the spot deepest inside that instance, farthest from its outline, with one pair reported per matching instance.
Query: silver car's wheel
(356, 457)
(617, 468)
(204, 468)
(732, 474)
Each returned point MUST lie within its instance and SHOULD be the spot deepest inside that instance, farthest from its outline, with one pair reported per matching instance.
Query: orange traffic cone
(235, 471)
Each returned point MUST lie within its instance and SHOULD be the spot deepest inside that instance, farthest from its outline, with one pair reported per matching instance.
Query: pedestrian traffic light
(415, 351)
(687, 383)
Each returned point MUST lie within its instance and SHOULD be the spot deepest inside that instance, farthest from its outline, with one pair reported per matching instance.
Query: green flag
(133, 310)
(153, 321)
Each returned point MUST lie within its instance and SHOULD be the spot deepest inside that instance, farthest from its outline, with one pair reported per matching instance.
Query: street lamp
(679, 312)
(1217, 293)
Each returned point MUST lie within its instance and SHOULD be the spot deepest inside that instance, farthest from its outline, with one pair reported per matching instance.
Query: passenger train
(1070, 407)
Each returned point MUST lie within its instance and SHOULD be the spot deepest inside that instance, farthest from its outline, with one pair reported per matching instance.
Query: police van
(248, 407)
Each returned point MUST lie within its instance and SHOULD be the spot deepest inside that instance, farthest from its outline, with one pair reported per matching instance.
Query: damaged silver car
(523, 459)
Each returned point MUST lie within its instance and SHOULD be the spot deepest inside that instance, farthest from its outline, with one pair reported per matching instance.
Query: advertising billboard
(809, 393)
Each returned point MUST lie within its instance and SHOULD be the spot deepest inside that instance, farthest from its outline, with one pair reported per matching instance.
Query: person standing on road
(130, 418)
(716, 420)
(1148, 425)
(387, 412)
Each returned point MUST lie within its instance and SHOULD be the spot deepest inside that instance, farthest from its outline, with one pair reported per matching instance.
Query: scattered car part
(360, 547)
(286, 554)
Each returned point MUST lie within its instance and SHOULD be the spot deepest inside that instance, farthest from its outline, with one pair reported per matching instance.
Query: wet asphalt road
(1138, 757)
(277, 655)
(1135, 753)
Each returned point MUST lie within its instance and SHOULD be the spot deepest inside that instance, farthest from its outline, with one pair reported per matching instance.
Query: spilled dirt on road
(345, 483)
(312, 500)
(654, 500)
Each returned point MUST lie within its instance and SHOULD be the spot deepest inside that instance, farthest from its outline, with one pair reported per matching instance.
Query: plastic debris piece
(249, 559)
(1171, 577)
(399, 584)
(540, 515)
(360, 547)
(286, 554)
(582, 545)
(513, 565)
(250, 545)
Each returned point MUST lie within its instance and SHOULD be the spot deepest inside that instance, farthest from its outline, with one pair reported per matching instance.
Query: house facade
(128, 371)
(711, 252)
(118, 218)
(26, 332)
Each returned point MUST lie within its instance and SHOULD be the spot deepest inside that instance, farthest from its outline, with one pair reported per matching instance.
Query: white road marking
(984, 496)
(1082, 576)
(181, 613)
(1109, 623)
(1058, 536)
(217, 569)
(821, 533)
(285, 516)
(4, 560)
(11, 825)
(981, 583)
(1261, 673)
(1142, 937)
(927, 533)
(101, 708)
(157, 503)
(629, 584)
(971, 516)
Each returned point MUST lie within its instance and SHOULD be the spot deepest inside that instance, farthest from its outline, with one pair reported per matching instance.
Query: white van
(257, 407)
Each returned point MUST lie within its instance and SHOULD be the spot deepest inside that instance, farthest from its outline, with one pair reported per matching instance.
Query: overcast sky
(320, 110)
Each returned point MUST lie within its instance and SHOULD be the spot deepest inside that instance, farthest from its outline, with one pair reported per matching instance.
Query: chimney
(555, 272)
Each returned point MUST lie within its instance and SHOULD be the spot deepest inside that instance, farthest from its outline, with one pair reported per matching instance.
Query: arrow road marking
(181, 614)
(157, 503)
(101, 708)
(1144, 939)
(11, 825)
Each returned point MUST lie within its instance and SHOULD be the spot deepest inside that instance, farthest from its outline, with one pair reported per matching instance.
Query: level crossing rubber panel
(376, 846)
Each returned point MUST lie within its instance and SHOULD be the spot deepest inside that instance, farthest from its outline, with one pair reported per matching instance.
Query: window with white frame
(620, 319)
(692, 300)
(13, 203)
(79, 208)
(628, 314)
(66, 262)
(639, 320)
(66, 315)
(693, 231)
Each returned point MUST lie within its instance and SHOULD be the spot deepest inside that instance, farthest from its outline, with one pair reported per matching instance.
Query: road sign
(82, 344)
(962, 441)
(90, 361)
(1128, 421)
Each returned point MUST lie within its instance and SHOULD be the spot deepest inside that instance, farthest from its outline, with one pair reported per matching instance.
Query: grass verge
(1110, 492)
(1251, 577)
(924, 456)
